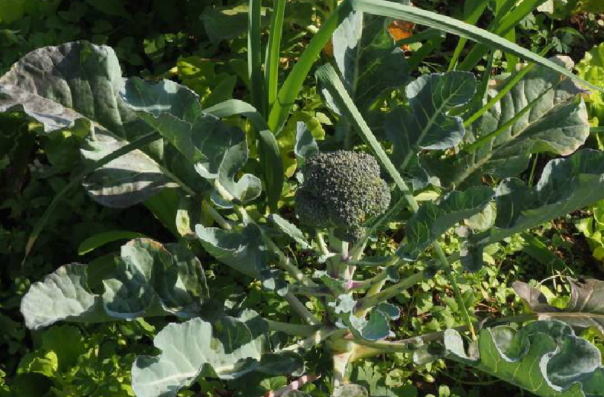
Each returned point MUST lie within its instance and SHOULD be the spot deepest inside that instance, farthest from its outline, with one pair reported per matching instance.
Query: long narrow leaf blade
(254, 54)
(272, 53)
(290, 89)
(459, 28)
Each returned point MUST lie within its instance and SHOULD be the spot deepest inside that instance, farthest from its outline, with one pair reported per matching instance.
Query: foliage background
(200, 43)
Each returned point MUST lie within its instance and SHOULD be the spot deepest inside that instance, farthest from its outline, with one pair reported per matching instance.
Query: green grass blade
(292, 85)
(504, 22)
(134, 145)
(271, 64)
(101, 239)
(254, 55)
(460, 28)
(472, 10)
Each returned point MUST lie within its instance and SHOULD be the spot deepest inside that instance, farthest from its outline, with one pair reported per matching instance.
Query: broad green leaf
(66, 342)
(125, 181)
(11, 11)
(204, 143)
(432, 220)
(585, 308)
(374, 328)
(268, 147)
(215, 149)
(244, 251)
(566, 185)
(368, 61)
(149, 280)
(225, 23)
(63, 295)
(76, 85)
(426, 124)
(248, 187)
(165, 96)
(101, 239)
(545, 358)
(556, 123)
(195, 347)
(227, 348)
(290, 230)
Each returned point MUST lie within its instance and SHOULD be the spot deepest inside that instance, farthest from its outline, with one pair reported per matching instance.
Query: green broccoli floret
(341, 190)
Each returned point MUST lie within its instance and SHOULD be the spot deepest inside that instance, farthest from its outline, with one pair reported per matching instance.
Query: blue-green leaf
(566, 185)
(432, 220)
(290, 229)
(228, 349)
(149, 280)
(244, 251)
(76, 86)
(556, 122)
(368, 61)
(426, 125)
(544, 357)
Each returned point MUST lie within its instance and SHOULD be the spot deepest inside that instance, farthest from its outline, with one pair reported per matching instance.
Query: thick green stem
(302, 311)
(316, 338)
(373, 300)
(286, 264)
(340, 362)
(446, 266)
(293, 329)
(215, 215)
(402, 346)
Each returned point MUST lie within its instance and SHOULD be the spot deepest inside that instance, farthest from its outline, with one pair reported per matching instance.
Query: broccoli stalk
(341, 190)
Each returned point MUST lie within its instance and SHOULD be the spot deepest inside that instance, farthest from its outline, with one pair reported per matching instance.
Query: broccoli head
(341, 190)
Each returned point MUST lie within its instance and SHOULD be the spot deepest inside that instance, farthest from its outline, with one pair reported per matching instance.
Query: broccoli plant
(341, 191)
(193, 167)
